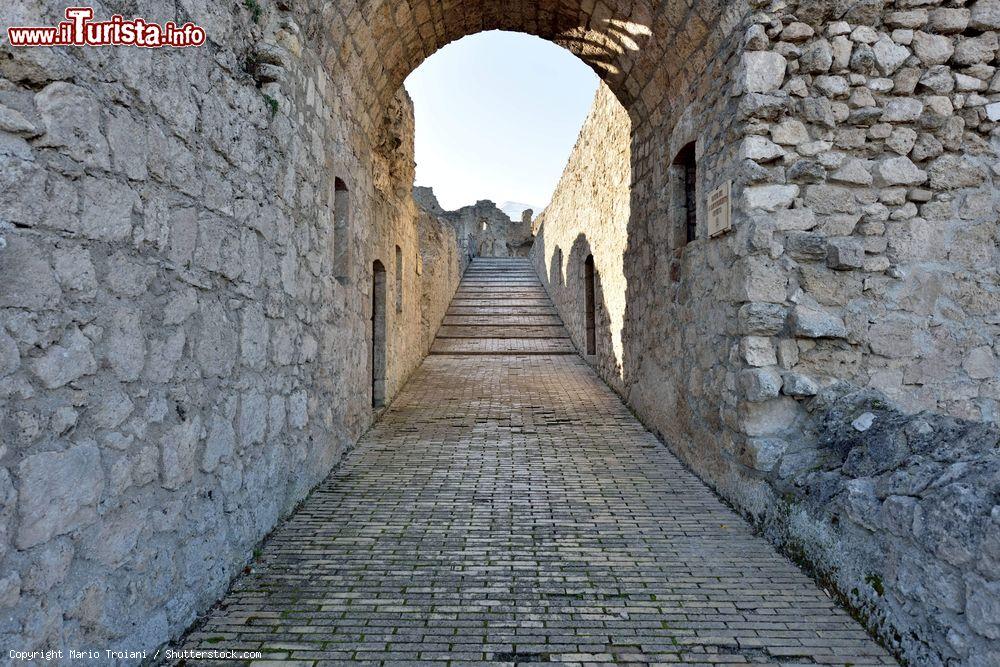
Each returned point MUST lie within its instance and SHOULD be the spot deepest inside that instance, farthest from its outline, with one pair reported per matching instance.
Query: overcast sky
(497, 116)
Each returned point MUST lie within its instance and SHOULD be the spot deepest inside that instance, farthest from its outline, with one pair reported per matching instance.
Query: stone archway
(642, 49)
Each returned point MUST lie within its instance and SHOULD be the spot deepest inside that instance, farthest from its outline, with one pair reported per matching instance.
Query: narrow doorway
(378, 334)
(590, 314)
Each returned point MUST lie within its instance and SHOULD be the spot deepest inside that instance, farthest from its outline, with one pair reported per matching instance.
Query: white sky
(497, 115)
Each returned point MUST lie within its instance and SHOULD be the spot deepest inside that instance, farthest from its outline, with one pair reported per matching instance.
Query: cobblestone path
(509, 509)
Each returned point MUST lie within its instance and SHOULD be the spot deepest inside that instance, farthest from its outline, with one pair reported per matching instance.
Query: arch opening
(379, 341)
(590, 304)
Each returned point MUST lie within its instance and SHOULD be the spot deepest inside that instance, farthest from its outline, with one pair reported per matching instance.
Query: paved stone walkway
(509, 509)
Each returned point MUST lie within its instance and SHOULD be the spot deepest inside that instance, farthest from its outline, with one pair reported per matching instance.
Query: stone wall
(859, 140)
(180, 358)
(589, 216)
(442, 263)
(870, 212)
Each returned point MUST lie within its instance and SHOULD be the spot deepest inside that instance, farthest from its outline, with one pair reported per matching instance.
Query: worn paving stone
(508, 508)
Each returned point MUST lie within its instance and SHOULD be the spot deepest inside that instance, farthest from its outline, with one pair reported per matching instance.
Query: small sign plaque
(720, 208)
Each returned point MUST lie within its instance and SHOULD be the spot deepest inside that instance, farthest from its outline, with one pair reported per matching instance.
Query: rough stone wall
(873, 201)
(859, 140)
(180, 361)
(870, 215)
(483, 229)
(589, 216)
(442, 263)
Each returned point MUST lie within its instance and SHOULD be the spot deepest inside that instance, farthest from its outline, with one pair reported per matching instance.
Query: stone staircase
(501, 308)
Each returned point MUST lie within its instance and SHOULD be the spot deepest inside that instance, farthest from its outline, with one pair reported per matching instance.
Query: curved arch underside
(631, 44)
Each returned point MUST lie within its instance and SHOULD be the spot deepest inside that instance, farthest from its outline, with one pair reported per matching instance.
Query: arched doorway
(590, 307)
(378, 337)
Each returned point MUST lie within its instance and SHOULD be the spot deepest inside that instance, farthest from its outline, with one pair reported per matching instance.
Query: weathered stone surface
(770, 197)
(932, 49)
(72, 122)
(253, 340)
(762, 71)
(125, 345)
(889, 56)
(760, 384)
(178, 449)
(70, 360)
(899, 171)
(10, 357)
(985, 15)
(812, 323)
(845, 254)
(950, 172)
(216, 345)
(902, 110)
(761, 149)
(762, 319)
(758, 351)
(796, 384)
(47, 505)
(107, 210)
(75, 271)
(26, 275)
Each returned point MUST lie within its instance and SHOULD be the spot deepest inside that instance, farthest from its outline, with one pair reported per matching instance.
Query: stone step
(501, 320)
(501, 308)
(499, 280)
(502, 312)
(484, 272)
(485, 331)
(500, 288)
(503, 346)
(474, 303)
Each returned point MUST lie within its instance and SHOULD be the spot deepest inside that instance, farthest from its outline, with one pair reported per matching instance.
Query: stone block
(758, 351)
(27, 276)
(768, 418)
(790, 133)
(812, 323)
(766, 452)
(760, 149)
(178, 449)
(70, 360)
(932, 49)
(762, 319)
(10, 357)
(845, 254)
(981, 363)
(47, 504)
(760, 384)
(985, 15)
(770, 197)
(982, 606)
(72, 119)
(762, 71)
(805, 246)
(889, 56)
(799, 385)
(899, 171)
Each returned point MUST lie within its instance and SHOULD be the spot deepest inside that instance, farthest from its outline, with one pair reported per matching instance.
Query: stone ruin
(194, 244)
(483, 229)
